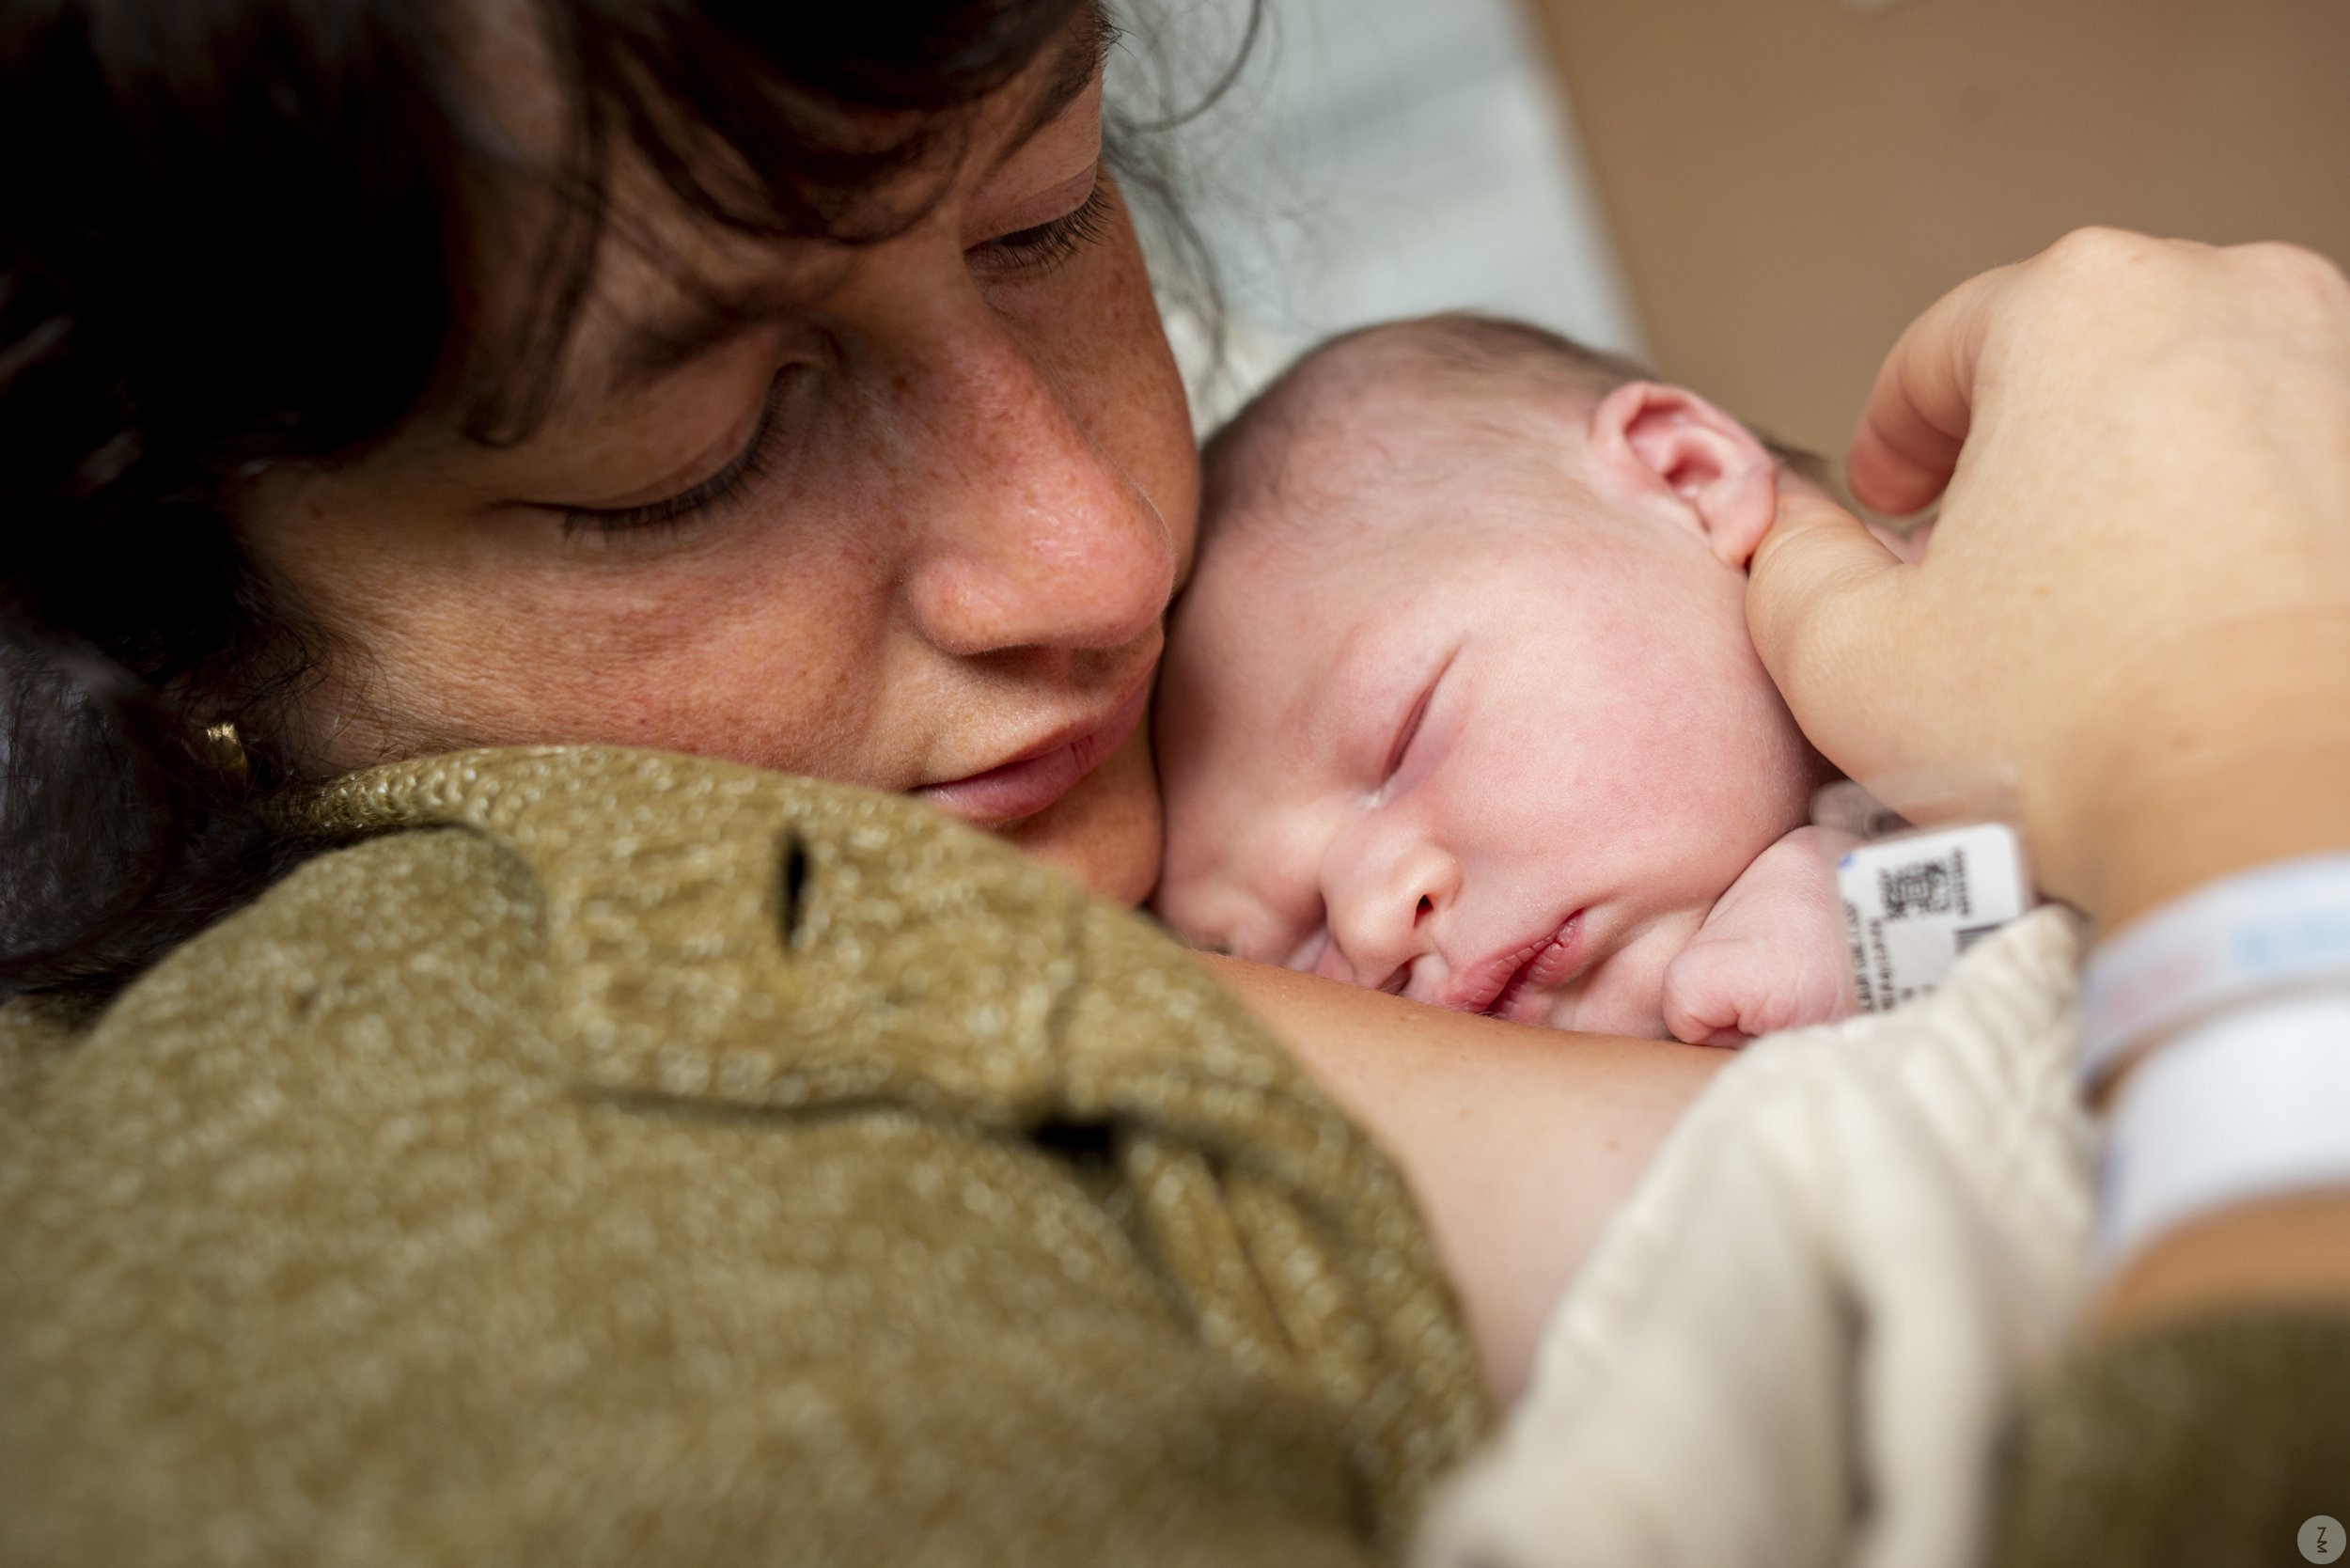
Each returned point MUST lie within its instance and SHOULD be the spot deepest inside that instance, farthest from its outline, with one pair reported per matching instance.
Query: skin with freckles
(914, 526)
(1461, 704)
(944, 485)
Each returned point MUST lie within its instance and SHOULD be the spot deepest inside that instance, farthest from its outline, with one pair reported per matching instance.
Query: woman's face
(909, 518)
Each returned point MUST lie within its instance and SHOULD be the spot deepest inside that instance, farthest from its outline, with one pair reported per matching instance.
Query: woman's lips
(1505, 984)
(1045, 771)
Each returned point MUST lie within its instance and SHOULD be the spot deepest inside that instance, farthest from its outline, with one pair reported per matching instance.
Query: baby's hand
(1772, 953)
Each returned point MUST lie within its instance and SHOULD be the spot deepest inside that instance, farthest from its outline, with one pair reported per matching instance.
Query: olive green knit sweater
(630, 1159)
(618, 1159)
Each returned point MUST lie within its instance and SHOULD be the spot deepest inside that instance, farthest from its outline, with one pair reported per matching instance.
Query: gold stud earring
(226, 748)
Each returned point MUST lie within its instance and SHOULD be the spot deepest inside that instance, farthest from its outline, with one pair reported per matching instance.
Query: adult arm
(2139, 601)
(1519, 1142)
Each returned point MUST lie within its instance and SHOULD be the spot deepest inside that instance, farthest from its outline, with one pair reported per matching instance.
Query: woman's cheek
(1106, 832)
(742, 642)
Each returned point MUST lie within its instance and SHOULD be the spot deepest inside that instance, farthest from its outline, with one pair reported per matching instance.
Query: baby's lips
(1492, 984)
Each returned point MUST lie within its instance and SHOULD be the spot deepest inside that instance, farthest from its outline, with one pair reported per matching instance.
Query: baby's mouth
(1497, 985)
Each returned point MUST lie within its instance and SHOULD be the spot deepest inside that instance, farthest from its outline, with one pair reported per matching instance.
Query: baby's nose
(1382, 917)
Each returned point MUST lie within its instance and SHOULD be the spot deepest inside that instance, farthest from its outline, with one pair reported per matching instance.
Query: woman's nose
(1031, 536)
(1380, 901)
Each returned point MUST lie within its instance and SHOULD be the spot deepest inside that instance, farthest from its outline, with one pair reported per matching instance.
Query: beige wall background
(1790, 181)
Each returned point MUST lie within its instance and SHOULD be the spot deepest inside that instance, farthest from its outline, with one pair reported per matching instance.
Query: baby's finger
(1693, 1017)
(1819, 604)
(1702, 988)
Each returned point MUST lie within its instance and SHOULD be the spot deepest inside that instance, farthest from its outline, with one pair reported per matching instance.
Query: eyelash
(1405, 736)
(1409, 731)
(1046, 246)
(1037, 249)
(673, 512)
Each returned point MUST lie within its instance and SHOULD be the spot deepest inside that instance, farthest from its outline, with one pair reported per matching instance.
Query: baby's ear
(1670, 443)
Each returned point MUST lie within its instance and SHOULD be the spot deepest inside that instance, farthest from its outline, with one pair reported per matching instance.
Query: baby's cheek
(1625, 994)
(1739, 788)
(1709, 732)
(1183, 900)
(1199, 898)
(1702, 821)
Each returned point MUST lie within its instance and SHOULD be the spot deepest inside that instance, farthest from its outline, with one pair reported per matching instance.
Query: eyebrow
(651, 349)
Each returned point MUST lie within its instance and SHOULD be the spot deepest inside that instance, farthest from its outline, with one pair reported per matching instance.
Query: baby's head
(1461, 702)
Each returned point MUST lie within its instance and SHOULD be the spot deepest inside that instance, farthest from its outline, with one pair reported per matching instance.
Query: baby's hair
(1461, 348)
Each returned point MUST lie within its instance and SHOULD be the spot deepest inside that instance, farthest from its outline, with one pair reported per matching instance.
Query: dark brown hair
(235, 233)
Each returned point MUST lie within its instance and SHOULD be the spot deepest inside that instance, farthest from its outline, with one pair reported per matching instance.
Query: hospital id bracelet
(2252, 1105)
(2273, 930)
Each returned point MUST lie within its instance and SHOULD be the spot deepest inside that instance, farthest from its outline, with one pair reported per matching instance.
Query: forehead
(662, 315)
(1306, 613)
(1356, 453)
(1282, 645)
(672, 277)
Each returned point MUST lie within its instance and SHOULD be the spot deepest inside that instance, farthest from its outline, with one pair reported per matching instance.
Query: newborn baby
(1461, 702)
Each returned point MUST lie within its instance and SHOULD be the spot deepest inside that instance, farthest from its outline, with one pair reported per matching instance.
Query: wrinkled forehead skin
(663, 274)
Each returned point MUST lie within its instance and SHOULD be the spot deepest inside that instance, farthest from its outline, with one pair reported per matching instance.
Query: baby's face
(1494, 743)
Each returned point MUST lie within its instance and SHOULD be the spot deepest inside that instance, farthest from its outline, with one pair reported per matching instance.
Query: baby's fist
(1772, 953)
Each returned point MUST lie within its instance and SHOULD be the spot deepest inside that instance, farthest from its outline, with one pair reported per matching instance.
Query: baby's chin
(1604, 1013)
(1623, 992)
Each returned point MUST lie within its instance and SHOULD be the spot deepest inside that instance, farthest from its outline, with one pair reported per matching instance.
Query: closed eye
(1408, 731)
(1405, 733)
(721, 488)
(1044, 246)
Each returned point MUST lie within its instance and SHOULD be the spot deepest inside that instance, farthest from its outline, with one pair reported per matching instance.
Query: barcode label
(1923, 888)
(1912, 904)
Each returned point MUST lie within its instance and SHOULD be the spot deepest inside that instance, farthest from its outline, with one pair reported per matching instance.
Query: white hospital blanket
(1794, 1344)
